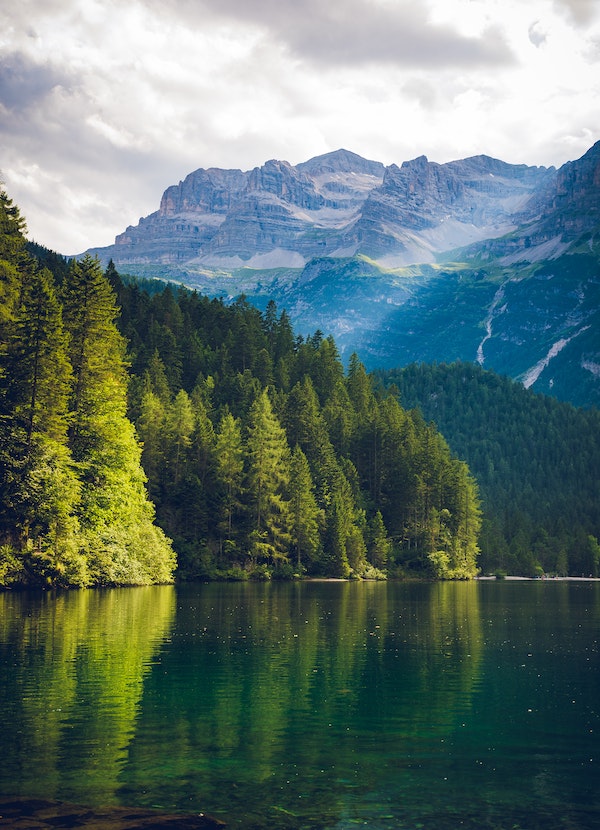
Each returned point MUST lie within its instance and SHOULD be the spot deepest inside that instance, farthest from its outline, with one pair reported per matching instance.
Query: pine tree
(150, 425)
(230, 467)
(180, 424)
(338, 502)
(14, 263)
(379, 547)
(304, 422)
(366, 449)
(39, 487)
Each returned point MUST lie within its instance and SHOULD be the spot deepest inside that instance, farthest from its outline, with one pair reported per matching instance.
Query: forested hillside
(262, 456)
(536, 460)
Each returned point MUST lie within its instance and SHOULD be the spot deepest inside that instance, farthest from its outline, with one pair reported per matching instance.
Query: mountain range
(474, 260)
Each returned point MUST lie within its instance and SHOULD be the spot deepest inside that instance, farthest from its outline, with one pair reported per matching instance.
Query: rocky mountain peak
(203, 191)
(418, 163)
(342, 161)
(280, 179)
(341, 204)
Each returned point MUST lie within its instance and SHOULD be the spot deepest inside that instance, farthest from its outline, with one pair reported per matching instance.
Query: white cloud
(581, 11)
(103, 104)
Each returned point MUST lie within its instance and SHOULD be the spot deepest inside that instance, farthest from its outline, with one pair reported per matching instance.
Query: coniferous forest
(536, 460)
(74, 509)
(151, 433)
(148, 432)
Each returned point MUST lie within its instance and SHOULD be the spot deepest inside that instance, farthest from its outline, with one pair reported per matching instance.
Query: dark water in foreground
(316, 705)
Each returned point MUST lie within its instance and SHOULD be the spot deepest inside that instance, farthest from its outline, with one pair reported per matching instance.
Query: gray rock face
(562, 208)
(570, 202)
(274, 214)
(436, 207)
(340, 204)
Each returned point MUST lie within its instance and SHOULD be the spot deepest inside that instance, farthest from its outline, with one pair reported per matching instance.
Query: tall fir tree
(229, 454)
(268, 477)
(307, 518)
(40, 490)
(14, 262)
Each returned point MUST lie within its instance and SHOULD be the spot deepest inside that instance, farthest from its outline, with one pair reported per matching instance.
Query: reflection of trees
(77, 665)
(289, 695)
(286, 697)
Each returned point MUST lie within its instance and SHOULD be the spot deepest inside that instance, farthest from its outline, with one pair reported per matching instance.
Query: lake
(310, 705)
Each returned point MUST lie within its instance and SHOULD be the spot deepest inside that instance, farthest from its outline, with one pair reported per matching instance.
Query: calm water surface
(316, 705)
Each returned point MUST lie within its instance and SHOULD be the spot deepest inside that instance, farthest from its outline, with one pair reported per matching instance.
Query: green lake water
(314, 705)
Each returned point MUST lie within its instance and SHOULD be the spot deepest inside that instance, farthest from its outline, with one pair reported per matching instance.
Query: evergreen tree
(39, 487)
(268, 478)
(180, 424)
(121, 542)
(366, 450)
(304, 423)
(151, 429)
(14, 262)
(338, 503)
(340, 417)
(380, 546)
(229, 454)
(307, 518)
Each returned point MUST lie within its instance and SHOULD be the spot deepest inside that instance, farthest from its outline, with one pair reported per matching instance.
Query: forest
(152, 435)
(536, 460)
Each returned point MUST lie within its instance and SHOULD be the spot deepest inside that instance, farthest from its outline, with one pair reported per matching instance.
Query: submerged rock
(39, 814)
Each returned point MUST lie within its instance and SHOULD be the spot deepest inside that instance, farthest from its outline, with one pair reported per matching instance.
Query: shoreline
(537, 579)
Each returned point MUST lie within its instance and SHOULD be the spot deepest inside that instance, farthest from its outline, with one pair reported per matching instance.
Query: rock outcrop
(337, 204)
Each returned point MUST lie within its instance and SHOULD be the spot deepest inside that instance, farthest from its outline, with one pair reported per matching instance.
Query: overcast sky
(105, 103)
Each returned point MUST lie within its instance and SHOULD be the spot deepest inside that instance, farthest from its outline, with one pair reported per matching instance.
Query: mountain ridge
(337, 204)
(475, 259)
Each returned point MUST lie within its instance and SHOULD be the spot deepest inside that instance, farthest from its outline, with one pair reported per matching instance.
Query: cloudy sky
(104, 103)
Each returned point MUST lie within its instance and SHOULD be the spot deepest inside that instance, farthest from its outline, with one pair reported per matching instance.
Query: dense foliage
(536, 460)
(265, 458)
(73, 503)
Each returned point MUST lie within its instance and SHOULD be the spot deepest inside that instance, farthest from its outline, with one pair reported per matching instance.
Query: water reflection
(73, 666)
(292, 696)
(309, 705)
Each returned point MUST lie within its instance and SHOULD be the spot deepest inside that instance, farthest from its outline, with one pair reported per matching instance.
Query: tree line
(536, 460)
(131, 418)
